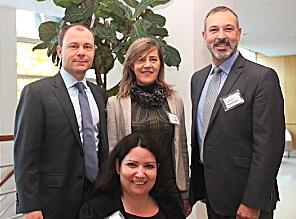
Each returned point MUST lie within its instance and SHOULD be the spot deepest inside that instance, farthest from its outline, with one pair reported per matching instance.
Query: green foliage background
(116, 24)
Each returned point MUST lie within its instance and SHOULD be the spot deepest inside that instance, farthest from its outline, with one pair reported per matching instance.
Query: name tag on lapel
(232, 100)
(173, 118)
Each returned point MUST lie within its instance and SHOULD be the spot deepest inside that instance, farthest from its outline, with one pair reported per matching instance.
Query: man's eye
(229, 29)
(73, 47)
(213, 30)
(88, 47)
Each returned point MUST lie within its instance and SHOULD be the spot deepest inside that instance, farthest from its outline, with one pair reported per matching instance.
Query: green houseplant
(116, 24)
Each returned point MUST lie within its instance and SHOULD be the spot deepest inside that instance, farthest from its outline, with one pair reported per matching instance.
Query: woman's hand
(187, 207)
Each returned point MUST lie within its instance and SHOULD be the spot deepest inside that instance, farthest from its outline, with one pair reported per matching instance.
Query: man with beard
(238, 127)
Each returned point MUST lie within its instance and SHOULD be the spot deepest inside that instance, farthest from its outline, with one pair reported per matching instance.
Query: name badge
(232, 100)
(115, 215)
(173, 118)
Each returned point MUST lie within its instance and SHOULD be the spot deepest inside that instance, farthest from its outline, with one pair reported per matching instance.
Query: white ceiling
(269, 26)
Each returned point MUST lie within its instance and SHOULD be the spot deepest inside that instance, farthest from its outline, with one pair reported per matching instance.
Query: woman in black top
(133, 183)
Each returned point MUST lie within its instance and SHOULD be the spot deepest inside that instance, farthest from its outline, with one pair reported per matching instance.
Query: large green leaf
(172, 57)
(105, 33)
(48, 31)
(131, 3)
(76, 1)
(127, 12)
(142, 6)
(55, 58)
(138, 32)
(154, 18)
(143, 24)
(158, 31)
(63, 3)
(51, 48)
(121, 26)
(74, 14)
(158, 2)
(88, 11)
(41, 46)
(120, 56)
(102, 12)
(117, 10)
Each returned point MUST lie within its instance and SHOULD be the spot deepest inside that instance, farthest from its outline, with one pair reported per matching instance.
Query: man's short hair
(219, 9)
(66, 28)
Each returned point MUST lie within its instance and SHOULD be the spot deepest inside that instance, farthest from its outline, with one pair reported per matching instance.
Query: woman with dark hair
(132, 183)
(145, 102)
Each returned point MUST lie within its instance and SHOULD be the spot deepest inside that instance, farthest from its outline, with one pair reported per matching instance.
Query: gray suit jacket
(243, 146)
(48, 155)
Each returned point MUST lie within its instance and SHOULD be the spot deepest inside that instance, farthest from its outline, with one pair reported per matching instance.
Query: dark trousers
(213, 215)
(88, 193)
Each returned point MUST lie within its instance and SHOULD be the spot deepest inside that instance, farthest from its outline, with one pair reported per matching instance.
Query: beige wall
(286, 68)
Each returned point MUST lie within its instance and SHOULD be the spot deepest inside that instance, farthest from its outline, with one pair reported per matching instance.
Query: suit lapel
(126, 109)
(234, 73)
(61, 93)
(100, 101)
(98, 98)
(198, 85)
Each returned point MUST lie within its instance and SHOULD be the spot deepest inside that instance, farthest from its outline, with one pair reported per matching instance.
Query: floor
(287, 186)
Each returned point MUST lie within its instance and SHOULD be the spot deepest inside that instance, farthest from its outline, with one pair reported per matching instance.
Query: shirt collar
(227, 65)
(69, 80)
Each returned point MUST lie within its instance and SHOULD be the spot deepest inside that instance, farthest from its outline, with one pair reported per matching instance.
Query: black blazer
(243, 146)
(107, 203)
(48, 155)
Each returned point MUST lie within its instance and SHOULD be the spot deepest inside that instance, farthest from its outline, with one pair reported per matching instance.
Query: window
(31, 66)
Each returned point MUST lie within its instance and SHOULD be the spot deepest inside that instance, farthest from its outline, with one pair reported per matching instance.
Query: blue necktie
(210, 100)
(89, 142)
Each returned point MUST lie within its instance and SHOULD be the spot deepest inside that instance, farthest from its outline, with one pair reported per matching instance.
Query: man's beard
(221, 55)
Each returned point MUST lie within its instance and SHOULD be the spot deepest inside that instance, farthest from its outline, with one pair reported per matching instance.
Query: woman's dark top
(159, 215)
(107, 203)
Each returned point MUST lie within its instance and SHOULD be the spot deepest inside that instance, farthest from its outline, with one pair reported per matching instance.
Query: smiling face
(146, 68)
(138, 172)
(77, 51)
(221, 35)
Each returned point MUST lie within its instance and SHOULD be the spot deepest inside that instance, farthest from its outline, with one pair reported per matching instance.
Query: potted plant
(116, 24)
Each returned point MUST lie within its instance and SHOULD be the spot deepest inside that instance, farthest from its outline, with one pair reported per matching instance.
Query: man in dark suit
(49, 152)
(235, 160)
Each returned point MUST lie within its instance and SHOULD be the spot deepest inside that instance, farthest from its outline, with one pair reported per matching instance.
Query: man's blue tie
(89, 143)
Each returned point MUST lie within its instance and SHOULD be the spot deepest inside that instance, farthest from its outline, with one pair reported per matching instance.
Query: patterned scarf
(147, 100)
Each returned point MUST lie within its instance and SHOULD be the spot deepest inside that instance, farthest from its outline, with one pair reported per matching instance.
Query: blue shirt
(70, 82)
(226, 67)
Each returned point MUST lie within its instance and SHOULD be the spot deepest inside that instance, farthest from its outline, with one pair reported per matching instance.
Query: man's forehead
(224, 18)
(79, 35)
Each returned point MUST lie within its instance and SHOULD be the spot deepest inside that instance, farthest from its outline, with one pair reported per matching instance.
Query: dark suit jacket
(243, 146)
(107, 203)
(48, 155)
